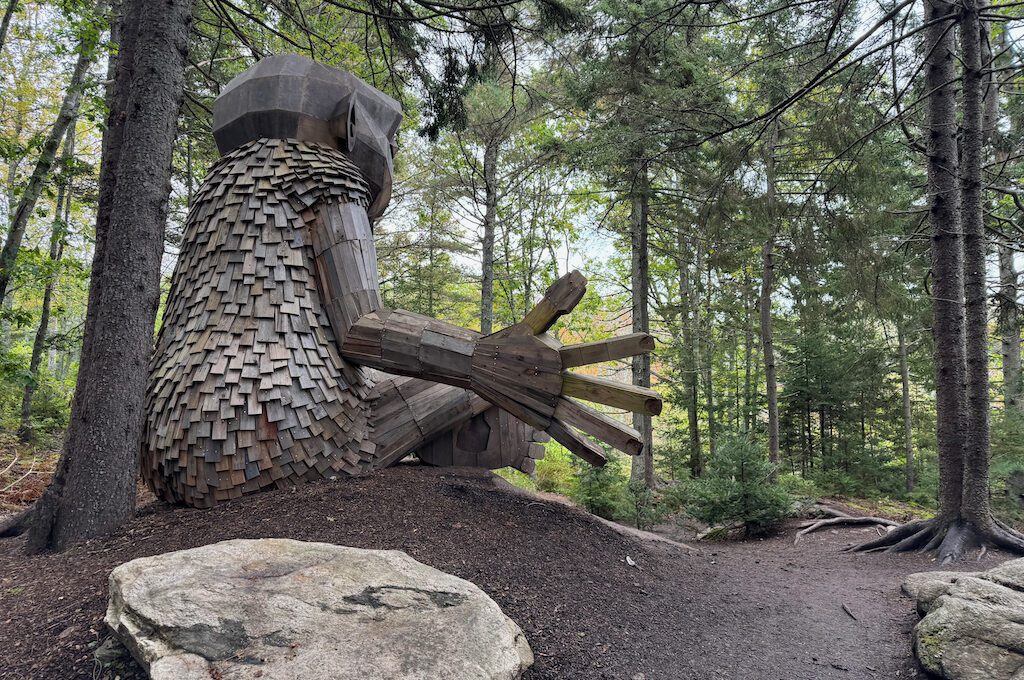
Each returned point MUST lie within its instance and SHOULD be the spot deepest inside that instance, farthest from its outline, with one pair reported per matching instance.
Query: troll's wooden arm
(520, 369)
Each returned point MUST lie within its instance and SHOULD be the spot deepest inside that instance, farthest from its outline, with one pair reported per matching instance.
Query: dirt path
(775, 610)
(759, 610)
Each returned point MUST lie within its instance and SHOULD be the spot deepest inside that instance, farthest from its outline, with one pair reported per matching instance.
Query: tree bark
(5, 24)
(487, 247)
(47, 155)
(690, 356)
(768, 344)
(748, 353)
(93, 490)
(946, 253)
(1009, 328)
(767, 285)
(908, 424)
(57, 235)
(708, 357)
(975, 505)
(642, 469)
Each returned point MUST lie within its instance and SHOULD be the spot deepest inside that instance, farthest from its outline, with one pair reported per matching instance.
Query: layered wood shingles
(247, 388)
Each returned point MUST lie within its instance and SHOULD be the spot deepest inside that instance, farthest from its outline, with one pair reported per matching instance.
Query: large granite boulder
(282, 609)
(973, 625)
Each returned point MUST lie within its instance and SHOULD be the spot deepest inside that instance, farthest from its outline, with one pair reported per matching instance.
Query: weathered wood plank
(559, 299)
(577, 445)
(600, 426)
(607, 350)
(611, 393)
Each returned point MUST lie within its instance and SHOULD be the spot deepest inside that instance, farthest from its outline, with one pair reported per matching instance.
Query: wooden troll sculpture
(277, 362)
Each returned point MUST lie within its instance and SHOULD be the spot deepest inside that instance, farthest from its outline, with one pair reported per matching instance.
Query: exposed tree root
(950, 539)
(849, 520)
(16, 524)
(836, 518)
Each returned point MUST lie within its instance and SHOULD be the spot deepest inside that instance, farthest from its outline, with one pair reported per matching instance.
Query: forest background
(743, 180)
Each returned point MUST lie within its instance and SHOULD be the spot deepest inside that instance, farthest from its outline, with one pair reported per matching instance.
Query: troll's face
(291, 97)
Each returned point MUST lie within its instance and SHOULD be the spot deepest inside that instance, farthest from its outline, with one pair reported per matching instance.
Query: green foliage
(556, 472)
(603, 491)
(675, 497)
(799, 487)
(737, 488)
(644, 508)
(1007, 467)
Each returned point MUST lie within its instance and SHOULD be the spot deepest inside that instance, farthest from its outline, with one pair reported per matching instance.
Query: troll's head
(287, 96)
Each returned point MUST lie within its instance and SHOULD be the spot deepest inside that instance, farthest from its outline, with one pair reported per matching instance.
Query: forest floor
(764, 609)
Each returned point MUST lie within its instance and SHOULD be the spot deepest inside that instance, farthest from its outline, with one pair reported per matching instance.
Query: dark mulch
(755, 609)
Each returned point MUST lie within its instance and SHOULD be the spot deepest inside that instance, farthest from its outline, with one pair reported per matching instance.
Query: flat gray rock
(283, 609)
(927, 586)
(973, 625)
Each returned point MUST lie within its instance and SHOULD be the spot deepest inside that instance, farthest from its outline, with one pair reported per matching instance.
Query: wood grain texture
(607, 350)
(600, 425)
(611, 393)
(577, 445)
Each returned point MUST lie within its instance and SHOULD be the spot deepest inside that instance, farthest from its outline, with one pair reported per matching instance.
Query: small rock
(110, 651)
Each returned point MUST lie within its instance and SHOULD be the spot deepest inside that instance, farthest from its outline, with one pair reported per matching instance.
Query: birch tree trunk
(56, 250)
(5, 24)
(34, 187)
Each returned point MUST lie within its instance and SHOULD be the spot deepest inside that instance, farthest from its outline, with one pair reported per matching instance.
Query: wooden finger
(525, 414)
(577, 445)
(607, 350)
(611, 393)
(600, 426)
(563, 295)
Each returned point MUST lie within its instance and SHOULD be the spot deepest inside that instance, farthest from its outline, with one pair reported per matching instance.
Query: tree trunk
(93, 490)
(768, 344)
(643, 465)
(946, 253)
(487, 248)
(1009, 328)
(690, 356)
(908, 424)
(12, 6)
(57, 235)
(708, 357)
(767, 285)
(47, 155)
(975, 505)
(748, 353)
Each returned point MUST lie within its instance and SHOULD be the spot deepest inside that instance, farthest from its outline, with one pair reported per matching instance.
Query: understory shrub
(603, 490)
(555, 472)
(737, 489)
(799, 487)
(645, 510)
